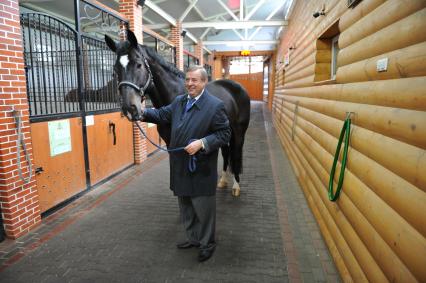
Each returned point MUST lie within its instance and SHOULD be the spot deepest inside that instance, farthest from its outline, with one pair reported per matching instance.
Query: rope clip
(349, 114)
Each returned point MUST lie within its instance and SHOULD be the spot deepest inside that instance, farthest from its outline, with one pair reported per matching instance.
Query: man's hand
(194, 147)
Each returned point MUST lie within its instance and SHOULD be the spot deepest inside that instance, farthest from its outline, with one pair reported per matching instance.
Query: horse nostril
(135, 112)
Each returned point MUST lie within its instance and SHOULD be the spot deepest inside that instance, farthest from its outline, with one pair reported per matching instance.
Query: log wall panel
(340, 264)
(295, 58)
(401, 124)
(393, 189)
(408, 93)
(303, 73)
(369, 235)
(351, 16)
(390, 263)
(303, 82)
(307, 61)
(377, 147)
(402, 63)
(376, 229)
(401, 34)
(394, 10)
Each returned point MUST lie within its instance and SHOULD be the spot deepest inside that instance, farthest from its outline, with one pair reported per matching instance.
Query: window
(246, 65)
(327, 49)
(334, 52)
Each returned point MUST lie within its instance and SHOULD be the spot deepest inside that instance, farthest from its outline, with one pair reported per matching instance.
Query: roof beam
(249, 15)
(206, 31)
(191, 37)
(187, 10)
(225, 25)
(160, 12)
(208, 50)
(238, 34)
(241, 10)
(234, 24)
(228, 10)
(290, 9)
(225, 13)
(239, 42)
(199, 13)
(267, 18)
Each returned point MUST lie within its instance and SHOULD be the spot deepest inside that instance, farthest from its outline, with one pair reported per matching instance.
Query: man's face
(194, 83)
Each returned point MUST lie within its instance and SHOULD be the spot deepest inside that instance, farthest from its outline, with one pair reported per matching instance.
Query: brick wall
(199, 52)
(177, 40)
(19, 201)
(133, 13)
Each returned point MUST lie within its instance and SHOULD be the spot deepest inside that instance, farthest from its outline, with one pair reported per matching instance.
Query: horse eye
(139, 66)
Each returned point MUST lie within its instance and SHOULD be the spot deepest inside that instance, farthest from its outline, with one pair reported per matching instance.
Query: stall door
(253, 83)
(110, 145)
(59, 160)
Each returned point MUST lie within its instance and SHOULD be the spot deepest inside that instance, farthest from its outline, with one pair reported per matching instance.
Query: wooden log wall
(376, 230)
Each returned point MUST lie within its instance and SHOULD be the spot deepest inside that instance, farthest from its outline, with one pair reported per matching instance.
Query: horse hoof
(221, 185)
(236, 192)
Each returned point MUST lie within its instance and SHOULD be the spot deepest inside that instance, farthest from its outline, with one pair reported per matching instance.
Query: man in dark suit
(199, 123)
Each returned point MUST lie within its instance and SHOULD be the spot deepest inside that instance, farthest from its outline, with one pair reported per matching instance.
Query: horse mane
(163, 63)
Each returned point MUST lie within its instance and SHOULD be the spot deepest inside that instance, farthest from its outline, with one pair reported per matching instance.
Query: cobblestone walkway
(126, 229)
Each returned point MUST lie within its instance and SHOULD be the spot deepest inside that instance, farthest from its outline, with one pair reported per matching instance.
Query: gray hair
(203, 71)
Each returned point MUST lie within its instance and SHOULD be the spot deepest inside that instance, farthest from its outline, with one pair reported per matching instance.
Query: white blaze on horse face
(124, 60)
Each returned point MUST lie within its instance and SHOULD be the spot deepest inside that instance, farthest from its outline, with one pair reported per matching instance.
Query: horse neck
(167, 84)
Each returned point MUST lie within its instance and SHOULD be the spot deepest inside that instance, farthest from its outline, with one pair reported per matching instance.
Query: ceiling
(222, 25)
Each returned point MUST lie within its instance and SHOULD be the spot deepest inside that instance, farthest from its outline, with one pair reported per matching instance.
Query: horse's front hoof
(236, 192)
(221, 184)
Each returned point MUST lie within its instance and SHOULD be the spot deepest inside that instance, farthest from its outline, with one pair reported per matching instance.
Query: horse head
(133, 72)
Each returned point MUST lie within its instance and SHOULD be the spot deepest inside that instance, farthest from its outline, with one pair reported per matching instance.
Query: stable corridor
(125, 230)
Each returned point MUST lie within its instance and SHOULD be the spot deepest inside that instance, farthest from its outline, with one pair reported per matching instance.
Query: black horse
(144, 72)
(105, 93)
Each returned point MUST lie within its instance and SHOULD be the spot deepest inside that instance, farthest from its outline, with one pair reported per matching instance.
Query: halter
(139, 89)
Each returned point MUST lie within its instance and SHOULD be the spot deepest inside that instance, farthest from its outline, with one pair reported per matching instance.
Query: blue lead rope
(192, 164)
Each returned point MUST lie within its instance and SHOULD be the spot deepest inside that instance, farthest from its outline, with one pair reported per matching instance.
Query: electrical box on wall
(382, 65)
(287, 59)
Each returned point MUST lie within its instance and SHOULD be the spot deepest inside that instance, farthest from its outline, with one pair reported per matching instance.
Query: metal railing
(51, 55)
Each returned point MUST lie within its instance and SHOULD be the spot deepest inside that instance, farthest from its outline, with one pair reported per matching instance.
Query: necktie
(189, 104)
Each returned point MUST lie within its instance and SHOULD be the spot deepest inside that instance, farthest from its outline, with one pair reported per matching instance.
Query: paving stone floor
(125, 230)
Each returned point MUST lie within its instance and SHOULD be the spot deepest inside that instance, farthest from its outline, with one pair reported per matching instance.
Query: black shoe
(205, 254)
(186, 245)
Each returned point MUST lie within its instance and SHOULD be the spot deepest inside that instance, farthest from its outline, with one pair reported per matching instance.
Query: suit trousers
(199, 219)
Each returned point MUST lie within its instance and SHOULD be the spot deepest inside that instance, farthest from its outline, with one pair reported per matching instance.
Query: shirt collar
(198, 96)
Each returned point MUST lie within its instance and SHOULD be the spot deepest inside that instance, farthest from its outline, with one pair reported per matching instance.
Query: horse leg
(236, 161)
(236, 186)
(225, 154)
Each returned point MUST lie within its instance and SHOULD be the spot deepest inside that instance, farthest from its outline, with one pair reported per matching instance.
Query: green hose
(346, 130)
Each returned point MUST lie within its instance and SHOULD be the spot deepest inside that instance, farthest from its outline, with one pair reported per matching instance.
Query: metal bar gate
(69, 73)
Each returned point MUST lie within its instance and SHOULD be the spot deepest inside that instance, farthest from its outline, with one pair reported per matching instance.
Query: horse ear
(111, 43)
(131, 37)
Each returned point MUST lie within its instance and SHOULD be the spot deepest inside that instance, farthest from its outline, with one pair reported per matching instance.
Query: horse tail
(236, 154)
(239, 120)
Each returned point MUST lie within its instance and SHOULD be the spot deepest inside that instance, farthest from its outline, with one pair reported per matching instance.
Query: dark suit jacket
(206, 120)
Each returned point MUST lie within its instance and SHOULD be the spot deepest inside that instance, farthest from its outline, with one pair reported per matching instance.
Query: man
(199, 123)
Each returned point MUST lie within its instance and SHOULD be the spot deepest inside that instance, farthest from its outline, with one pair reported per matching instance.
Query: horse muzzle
(132, 114)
